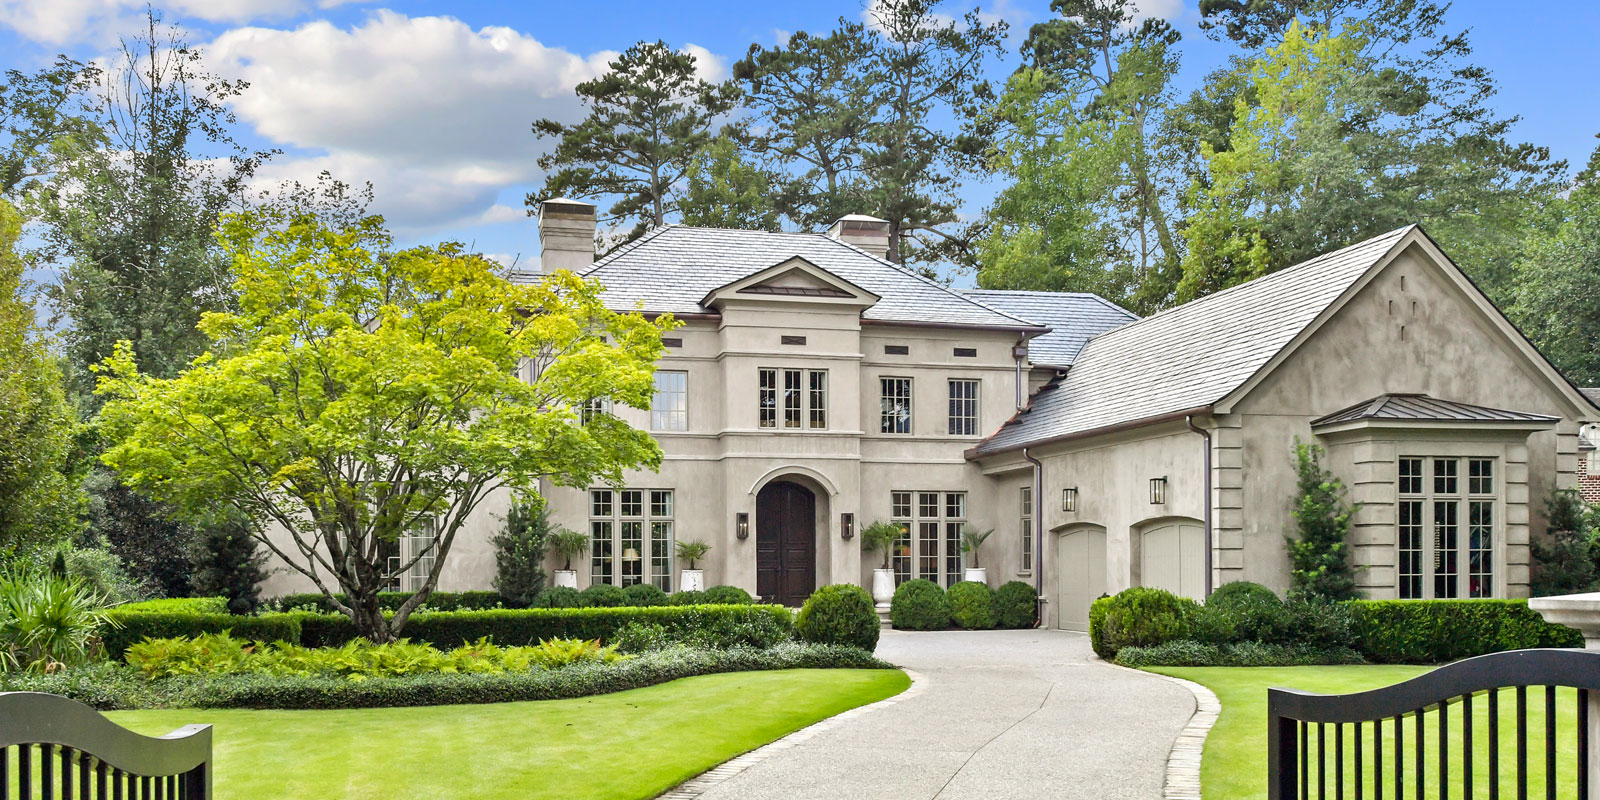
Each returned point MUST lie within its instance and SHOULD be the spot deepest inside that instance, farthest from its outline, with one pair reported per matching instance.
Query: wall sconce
(741, 525)
(847, 526)
(1069, 499)
(1158, 491)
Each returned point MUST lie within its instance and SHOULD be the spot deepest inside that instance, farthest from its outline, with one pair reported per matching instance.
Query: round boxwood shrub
(728, 596)
(920, 605)
(1138, 617)
(603, 595)
(1015, 605)
(644, 594)
(559, 597)
(1243, 612)
(689, 598)
(841, 613)
(1234, 591)
(972, 605)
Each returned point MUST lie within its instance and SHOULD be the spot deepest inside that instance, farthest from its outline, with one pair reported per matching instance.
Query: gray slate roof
(1190, 356)
(1074, 318)
(1593, 395)
(1422, 408)
(672, 268)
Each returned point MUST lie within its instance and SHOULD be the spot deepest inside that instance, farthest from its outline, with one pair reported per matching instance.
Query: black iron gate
(54, 747)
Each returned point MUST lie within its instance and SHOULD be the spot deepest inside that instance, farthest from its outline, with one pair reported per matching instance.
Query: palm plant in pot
(566, 544)
(971, 540)
(881, 537)
(692, 579)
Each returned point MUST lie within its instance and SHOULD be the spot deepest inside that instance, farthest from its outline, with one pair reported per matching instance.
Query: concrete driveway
(996, 714)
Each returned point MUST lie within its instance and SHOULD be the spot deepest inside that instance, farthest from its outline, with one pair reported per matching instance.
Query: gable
(791, 280)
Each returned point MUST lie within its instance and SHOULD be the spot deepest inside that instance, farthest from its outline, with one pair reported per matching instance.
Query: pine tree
(519, 551)
(1319, 550)
(228, 563)
(1563, 559)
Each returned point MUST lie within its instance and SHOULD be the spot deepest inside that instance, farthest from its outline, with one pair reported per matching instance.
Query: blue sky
(432, 101)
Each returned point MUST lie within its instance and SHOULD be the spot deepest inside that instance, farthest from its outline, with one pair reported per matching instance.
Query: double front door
(786, 543)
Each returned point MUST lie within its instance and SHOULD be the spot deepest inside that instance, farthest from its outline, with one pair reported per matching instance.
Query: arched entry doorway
(786, 543)
(1080, 574)
(1172, 557)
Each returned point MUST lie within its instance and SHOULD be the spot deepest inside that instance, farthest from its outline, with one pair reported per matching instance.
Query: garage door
(1080, 575)
(1172, 557)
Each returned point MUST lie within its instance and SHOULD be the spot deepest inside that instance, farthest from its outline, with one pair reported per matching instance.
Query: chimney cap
(567, 207)
(859, 224)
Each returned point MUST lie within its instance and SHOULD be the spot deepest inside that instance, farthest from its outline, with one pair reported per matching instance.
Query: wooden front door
(786, 543)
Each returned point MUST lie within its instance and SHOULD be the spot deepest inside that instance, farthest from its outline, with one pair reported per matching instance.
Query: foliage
(559, 597)
(1441, 631)
(165, 605)
(519, 551)
(1556, 288)
(728, 595)
(228, 562)
(920, 605)
(725, 191)
(692, 551)
(644, 594)
(157, 549)
(41, 114)
(648, 116)
(1240, 591)
(37, 424)
(48, 621)
(1138, 617)
(125, 626)
(972, 605)
(567, 544)
(1190, 653)
(688, 597)
(972, 540)
(880, 537)
(1564, 558)
(426, 406)
(720, 633)
(603, 595)
(1016, 605)
(839, 614)
(1242, 611)
(1319, 552)
(318, 602)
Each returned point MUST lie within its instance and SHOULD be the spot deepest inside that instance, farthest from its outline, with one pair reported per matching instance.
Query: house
(1588, 457)
(815, 388)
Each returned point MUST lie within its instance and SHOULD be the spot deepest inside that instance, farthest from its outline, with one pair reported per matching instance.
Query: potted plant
(881, 537)
(692, 579)
(971, 540)
(566, 544)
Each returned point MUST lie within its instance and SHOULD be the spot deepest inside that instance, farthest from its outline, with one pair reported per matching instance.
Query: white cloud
(998, 11)
(62, 21)
(1168, 10)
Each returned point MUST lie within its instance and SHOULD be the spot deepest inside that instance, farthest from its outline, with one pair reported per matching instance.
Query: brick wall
(1588, 485)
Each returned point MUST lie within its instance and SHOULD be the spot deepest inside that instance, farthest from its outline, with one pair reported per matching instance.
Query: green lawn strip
(632, 744)
(1235, 764)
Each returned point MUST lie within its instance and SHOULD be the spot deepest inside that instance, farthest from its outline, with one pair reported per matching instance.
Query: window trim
(615, 515)
(909, 509)
(886, 420)
(976, 386)
(773, 408)
(1440, 497)
(1025, 518)
(661, 419)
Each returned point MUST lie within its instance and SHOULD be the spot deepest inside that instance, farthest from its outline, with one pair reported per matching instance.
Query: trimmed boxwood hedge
(972, 605)
(127, 627)
(920, 605)
(204, 605)
(841, 613)
(1439, 631)
(1015, 605)
(389, 601)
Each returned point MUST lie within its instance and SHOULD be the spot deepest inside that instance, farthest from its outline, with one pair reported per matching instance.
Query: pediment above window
(794, 280)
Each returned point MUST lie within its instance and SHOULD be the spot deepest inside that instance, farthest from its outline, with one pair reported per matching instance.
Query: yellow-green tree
(360, 394)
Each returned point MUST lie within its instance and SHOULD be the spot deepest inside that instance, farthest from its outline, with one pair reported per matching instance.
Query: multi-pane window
(1026, 526)
(594, 408)
(620, 552)
(1445, 527)
(932, 545)
(415, 548)
(669, 407)
(793, 398)
(895, 405)
(963, 407)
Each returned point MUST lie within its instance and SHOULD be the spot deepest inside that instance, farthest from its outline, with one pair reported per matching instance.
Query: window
(1026, 526)
(669, 408)
(1445, 527)
(619, 551)
(895, 402)
(594, 408)
(932, 544)
(803, 400)
(963, 407)
(413, 553)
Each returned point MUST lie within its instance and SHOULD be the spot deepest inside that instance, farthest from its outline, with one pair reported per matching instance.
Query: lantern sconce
(847, 526)
(1069, 499)
(741, 525)
(1158, 490)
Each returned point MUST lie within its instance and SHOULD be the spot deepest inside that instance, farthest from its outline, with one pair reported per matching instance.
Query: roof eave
(1030, 330)
(977, 453)
(1474, 425)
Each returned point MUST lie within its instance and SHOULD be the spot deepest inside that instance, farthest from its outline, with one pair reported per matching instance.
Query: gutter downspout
(1205, 434)
(1038, 534)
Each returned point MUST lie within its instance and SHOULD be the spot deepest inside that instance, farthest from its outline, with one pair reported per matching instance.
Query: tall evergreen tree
(1557, 284)
(229, 563)
(648, 117)
(726, 191)
(519, 550)
(1319, 550)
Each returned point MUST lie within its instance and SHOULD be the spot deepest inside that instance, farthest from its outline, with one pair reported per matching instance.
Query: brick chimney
(868, 233)
(566, 235)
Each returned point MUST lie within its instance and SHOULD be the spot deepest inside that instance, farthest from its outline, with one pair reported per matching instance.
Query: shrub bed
(1190, 653)
(972, 605)
(197, 605)
(389, 601)
(1138, 617)
(1438, 631)
(124, 627)
(1015, 605)
(840, 614)
(920, 605)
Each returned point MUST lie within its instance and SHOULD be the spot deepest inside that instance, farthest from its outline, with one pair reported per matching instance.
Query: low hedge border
(1440, 631)
(111, 687)
(1190, 653)
(391, 601)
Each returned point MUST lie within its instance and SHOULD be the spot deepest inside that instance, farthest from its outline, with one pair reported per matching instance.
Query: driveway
(995, 714)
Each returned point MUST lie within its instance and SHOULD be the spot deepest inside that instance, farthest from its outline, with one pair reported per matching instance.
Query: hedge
(1189, 653)
(391, 601)
(1440, 631)
(202, 605)
(111, 687)
(1016, 604)
(126, 627)
(920, 605)
(841, 613)
(972, 605)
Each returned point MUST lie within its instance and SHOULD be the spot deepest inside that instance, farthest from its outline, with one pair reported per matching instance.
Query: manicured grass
(1235, 765)
(632, 744)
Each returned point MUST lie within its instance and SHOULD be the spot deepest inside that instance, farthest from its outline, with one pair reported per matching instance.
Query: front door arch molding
(782, 473)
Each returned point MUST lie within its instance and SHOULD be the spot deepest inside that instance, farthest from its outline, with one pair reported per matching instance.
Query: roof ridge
(628, 247)
(937, 285)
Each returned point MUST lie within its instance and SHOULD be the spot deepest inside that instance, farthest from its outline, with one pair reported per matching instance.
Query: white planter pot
(976, 574)
(692, 580)
(882, 586)
(564, 577)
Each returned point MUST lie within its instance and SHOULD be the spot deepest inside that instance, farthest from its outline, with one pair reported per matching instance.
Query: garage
(1172, 557)
(1080, 575)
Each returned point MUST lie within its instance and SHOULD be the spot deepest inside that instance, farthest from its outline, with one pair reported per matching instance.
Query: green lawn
(1235, 765)
(632, 744)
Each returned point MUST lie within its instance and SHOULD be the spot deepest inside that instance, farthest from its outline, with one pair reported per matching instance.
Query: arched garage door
(1080, 575)
(1172, 557)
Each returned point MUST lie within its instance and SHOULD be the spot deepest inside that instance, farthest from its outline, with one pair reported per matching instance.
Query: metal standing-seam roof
(1073, 317)
(672, 268)
(1188, 357)
(1422, 408)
